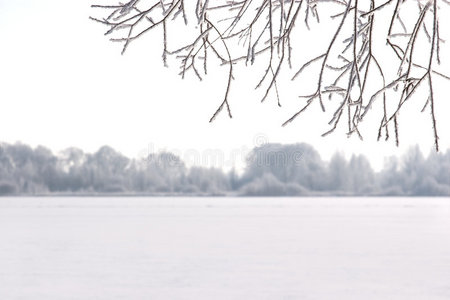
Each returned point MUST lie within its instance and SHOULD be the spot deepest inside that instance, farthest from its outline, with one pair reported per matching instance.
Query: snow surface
(224, 248)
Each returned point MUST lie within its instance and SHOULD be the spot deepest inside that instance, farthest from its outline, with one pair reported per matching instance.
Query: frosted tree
(351, 80)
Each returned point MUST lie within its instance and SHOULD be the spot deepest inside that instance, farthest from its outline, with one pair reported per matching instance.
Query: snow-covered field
(224, 248)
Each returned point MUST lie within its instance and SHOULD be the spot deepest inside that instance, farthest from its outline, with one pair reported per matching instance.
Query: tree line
(271, 170)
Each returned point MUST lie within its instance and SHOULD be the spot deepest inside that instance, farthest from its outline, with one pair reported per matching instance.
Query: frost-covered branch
(352, 70)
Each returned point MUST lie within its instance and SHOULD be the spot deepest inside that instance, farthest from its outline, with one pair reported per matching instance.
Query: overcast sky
(62, 83)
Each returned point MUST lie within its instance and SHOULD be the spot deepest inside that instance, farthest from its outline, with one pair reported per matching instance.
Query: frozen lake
(224, 248)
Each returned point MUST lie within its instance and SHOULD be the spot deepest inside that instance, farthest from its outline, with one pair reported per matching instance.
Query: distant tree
(362, 177)
(45, 165)
(374, 53)
(443, 173)
(71, 158)
(7, 188)
(438, 166)
(412, 169)
(208, 180)
(28, 166)
(426, 177)
(233, 178)
(339, 174)
(6, 163)
(389, 179)
(70, 164)
(296, 163)
(165, 170)
(106, 170)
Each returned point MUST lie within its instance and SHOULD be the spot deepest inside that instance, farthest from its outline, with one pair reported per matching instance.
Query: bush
(269, 185)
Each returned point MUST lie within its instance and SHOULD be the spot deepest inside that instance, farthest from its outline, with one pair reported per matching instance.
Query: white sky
(62, 83)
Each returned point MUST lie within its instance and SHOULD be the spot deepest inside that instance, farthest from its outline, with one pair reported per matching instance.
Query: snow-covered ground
(224, 248)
